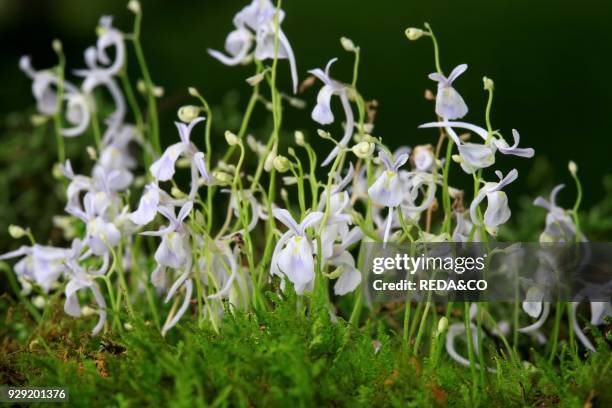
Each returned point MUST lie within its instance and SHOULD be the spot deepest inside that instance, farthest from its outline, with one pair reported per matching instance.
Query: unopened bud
(347, 44)
(158, 91)
(363, 150)
(15, 231)
(284, 194)
(134, 6)
(188, 113)
(193, 92)
(442, 325)
(430, 96)
(269, 163)
(38, 120)
(57, 46)
(323, 134)
(87, 311)
(92, 153)
(456, 158)
(222, 177)
(299, 138)
(231, 138)
(572, 167)
(256, 79)
(488, 84)
(57, 172)
(141, 86)
(414, 34)
(177, 193)
(128, 326)
(39, 302)
(281, 164)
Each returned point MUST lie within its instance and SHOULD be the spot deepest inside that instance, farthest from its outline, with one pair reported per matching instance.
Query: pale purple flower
(387, 189)
(293, 254)
(257, 21)
(449, 104)
(349, 277)
(101, 234)
(477, 156)
(560, 225)
(163, 169)
(497, 212)
(40, 264)
(322, 112)
(44, 87)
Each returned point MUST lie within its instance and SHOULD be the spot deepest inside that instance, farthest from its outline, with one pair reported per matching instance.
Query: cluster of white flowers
(228, 266)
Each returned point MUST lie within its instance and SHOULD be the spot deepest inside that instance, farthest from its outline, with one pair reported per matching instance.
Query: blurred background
(550, 60)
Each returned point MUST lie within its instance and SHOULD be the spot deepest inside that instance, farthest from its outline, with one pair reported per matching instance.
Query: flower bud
(92, 153)
(231, 138)
(38, 120)
(488, 84)
(16, 232)
(442, 325)
(299, 138)
(177, 193)
(193, 92)
(141, 86)
(291, 151)
(269, 163)
(363, 150)
(324, 134)
(572, 167)
(134, 7)
(128, 326)
(347, 44)
(57, 171)
(222, 177)
(158, 91)
(255, 79)
(87, 311)
(39, 302)
(281, 164)
(414, 34)
(188, 113)
(57, 46)
(284, 194)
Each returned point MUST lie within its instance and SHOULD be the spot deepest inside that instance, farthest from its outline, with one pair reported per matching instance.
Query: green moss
(273, 358)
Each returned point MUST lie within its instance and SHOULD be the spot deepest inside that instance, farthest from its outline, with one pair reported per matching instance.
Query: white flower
(476, 156)
(497, 212)
(322, 112)
(293, 254)
(350, 277)
(41, 264)
(257, 20)
(163, 169)
(423, 158)
(387, 189)
(449, 104)
(44, 84)
(560, 225)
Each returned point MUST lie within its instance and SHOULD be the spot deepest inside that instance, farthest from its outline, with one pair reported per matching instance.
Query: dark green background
(550, 60)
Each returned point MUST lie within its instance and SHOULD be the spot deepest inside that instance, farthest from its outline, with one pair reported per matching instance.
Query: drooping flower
(560, 225)
(497, 212)
(257, 21)
(44, 86)
(449, 104)
(349, 276)
(322, 112)
(293, 254)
